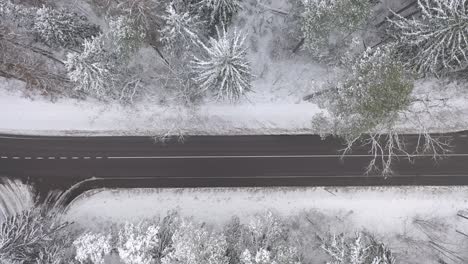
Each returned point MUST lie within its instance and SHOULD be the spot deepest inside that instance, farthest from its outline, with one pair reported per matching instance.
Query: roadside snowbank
(69, 116)
(378, 209)
(65, 116)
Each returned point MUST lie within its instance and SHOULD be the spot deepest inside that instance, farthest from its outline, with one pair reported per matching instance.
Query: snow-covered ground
(403, 217)
(266, 113)
(38, 115)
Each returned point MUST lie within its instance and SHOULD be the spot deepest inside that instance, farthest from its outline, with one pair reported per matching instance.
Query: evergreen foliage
(327, 25)
(62, 28)
(220, 11)
(437, 42)
(224, 68)
(180, 30)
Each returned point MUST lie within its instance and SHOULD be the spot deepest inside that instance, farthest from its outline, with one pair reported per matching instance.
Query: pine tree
(180, 29)
(224, 69)
(92, 70)
(220, 11)
(55, 28)
(374, 93)
(125, 35)
(327, 25)
(365, 108)
(62, 28)
(438, 41)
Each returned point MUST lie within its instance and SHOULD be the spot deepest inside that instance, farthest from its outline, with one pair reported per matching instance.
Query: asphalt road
(213, 161)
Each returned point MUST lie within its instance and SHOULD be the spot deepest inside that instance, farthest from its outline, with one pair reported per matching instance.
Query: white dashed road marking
(51, 157)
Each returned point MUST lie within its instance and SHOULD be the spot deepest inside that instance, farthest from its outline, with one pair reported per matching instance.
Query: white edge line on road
(278, 156)
(373, 176)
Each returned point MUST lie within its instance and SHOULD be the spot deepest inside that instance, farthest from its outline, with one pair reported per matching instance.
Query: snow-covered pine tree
(365, 107)
(437, 42)
(180, 29)
(92, 70)
(224, 68)
(125, 35)
(15, 14)
(62, 28)
(53, 27)
(374, 93)
(220, 11)
(327, 25)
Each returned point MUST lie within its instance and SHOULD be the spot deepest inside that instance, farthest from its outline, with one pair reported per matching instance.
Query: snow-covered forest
(236, 226)
(365, 71)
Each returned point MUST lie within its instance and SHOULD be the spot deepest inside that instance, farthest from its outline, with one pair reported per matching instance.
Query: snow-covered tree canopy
(327, 25)
(53, 27)
(437, 42)
(180, 29)
(224, 68)
(91, 70)
(375, 92)
(196, 245)
(357, 250)
(125, 35)
(62, 28)
(220, 11)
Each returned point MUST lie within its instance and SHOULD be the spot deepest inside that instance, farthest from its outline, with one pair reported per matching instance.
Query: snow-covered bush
(62, 28)
(357, 250)
(91, 70)
(327, 25)
(92, 247)
(125, 35)
(224, 68)
(220, 11)
(180, 29)
(136, 243)
(195, 244)
(438, 41)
